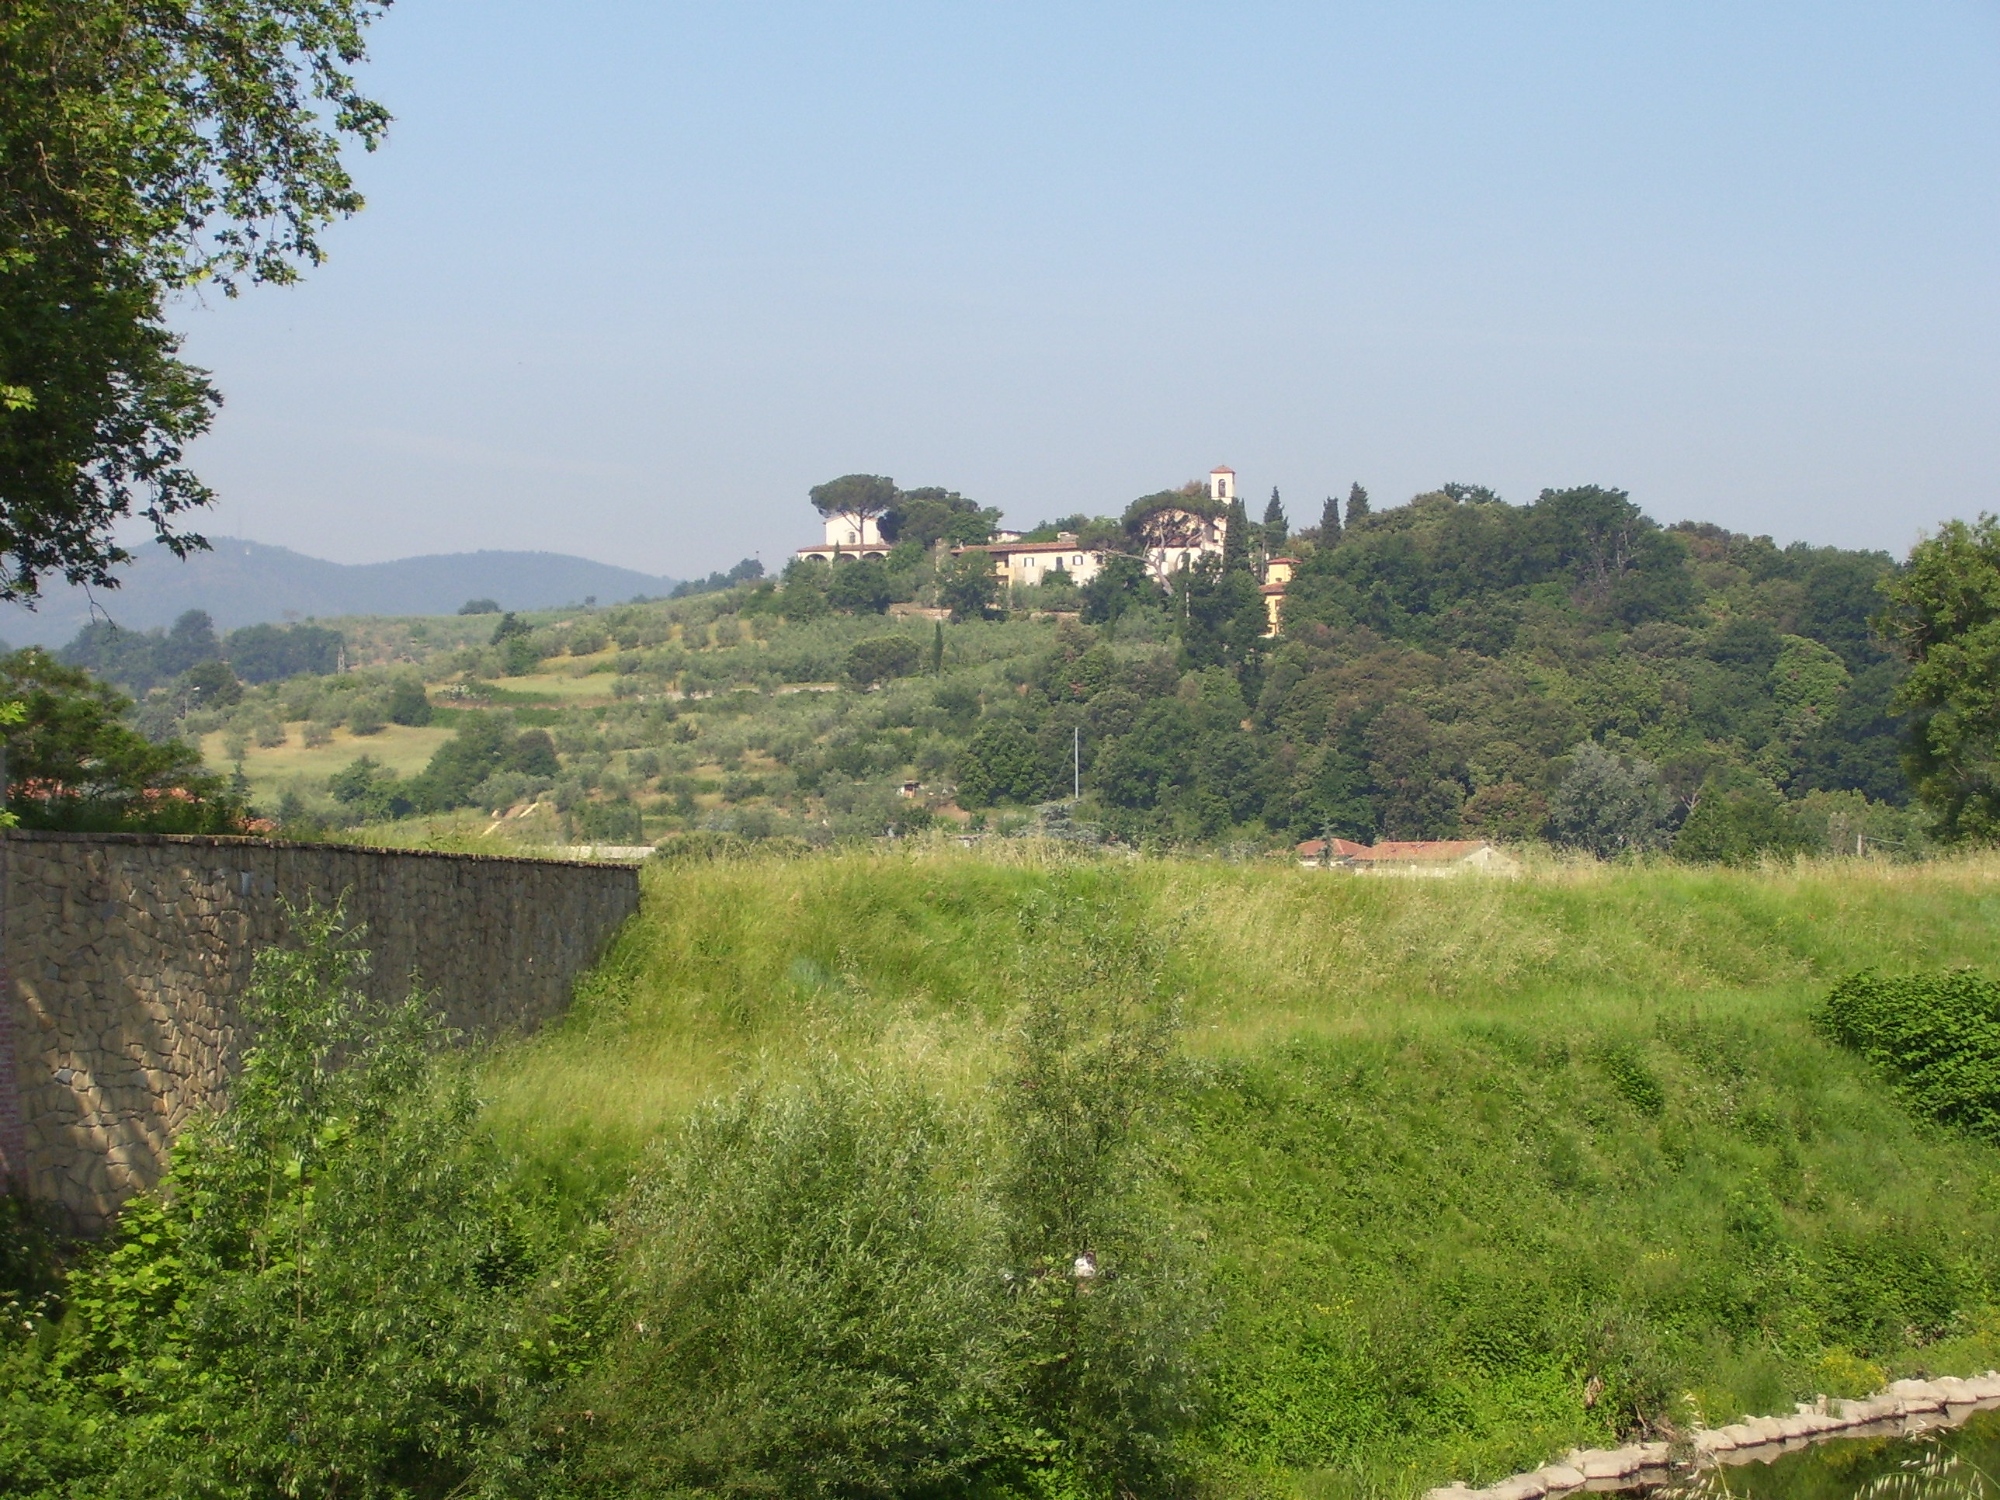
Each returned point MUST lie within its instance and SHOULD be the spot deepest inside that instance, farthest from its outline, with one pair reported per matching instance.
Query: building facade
(849, 536)
(1024, 564)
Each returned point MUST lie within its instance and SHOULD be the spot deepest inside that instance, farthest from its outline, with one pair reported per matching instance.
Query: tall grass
(734, 969)
(1484, 1168)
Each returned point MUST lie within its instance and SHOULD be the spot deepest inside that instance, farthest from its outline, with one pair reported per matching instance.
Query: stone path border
(1907, 1406)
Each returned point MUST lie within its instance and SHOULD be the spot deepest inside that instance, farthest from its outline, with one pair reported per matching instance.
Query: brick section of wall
(127, 953)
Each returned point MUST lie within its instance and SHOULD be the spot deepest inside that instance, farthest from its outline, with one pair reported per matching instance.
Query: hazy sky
(634, 275)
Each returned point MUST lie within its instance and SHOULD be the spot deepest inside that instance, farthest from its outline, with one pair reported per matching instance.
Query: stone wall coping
(248, 841)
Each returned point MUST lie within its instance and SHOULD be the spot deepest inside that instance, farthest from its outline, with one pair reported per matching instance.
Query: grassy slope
(1458, 1148)
(270, 767)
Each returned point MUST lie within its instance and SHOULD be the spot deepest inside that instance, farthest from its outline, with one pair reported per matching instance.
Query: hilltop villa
(1174, 539)
(850, 536)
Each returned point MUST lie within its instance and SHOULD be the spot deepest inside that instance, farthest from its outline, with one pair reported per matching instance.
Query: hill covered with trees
(1566, 669)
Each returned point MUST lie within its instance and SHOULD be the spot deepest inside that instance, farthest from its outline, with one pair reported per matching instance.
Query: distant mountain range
(248, 583)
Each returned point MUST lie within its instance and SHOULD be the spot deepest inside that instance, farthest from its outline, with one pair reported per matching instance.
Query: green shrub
(881, 658)
(1737, 827)
(808, 1305)
(326, 1297)
(408, 703)
(1936, 1035)
(1108, 1304)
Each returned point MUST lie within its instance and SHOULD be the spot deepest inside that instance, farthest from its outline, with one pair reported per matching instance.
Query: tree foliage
(139, 660)
(859, 495)
(145, 149)
(968, 586)
(881, 658)
(1944, 614)
(1609, 805)
(1275, 528)
(73, 762)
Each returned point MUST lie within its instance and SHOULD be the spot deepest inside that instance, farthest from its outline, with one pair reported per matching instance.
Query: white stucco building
(850, 536)
(1027, 563)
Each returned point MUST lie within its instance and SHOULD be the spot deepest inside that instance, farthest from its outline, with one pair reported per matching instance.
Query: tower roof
(1222, 469)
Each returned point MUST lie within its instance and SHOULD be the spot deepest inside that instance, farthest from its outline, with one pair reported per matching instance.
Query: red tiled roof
(1345, 848)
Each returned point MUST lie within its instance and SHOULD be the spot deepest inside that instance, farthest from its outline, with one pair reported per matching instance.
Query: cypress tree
(1357, 503)
(937, 650)
(1276, 527)
(1236, 537)
(1329, 523)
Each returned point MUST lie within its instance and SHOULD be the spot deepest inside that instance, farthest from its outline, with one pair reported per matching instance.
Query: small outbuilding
(1421, 857)
(1319, 854)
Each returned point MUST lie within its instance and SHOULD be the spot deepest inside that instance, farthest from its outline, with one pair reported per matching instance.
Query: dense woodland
(1455, 666)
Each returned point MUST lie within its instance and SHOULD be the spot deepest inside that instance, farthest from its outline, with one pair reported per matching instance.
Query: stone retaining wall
(126, 954)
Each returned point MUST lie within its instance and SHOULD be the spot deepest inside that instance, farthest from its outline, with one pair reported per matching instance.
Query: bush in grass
(326, 1298)
(408, 703)
(809, 1306)
(1107, 1304)
(1936, 1036)
(881, 658)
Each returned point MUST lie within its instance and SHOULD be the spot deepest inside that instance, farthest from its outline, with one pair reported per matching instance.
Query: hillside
(1037, 1175)
(240, 583)
(1563, 671)
(1477, 1170)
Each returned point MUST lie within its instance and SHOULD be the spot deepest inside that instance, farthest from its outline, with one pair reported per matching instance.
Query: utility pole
(1076, 763)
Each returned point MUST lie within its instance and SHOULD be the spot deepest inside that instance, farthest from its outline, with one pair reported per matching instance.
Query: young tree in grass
(330, 1300)
(1107, 1302)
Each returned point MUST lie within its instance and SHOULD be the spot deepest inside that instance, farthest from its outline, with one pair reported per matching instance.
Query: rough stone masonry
(124, 956)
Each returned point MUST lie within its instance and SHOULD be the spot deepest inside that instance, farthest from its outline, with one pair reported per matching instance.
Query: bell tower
(1222, 485)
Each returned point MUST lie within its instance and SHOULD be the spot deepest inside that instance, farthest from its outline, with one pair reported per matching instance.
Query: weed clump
(1935, 1035)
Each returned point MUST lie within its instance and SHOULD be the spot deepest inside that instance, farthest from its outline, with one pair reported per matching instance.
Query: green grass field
(270, 768)
(1479, 1168)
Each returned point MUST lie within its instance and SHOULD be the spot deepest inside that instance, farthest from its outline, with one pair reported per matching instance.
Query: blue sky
(633, 276)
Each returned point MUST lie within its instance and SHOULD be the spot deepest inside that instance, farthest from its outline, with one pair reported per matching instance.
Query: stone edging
(252, 841)
(1907, 1405)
